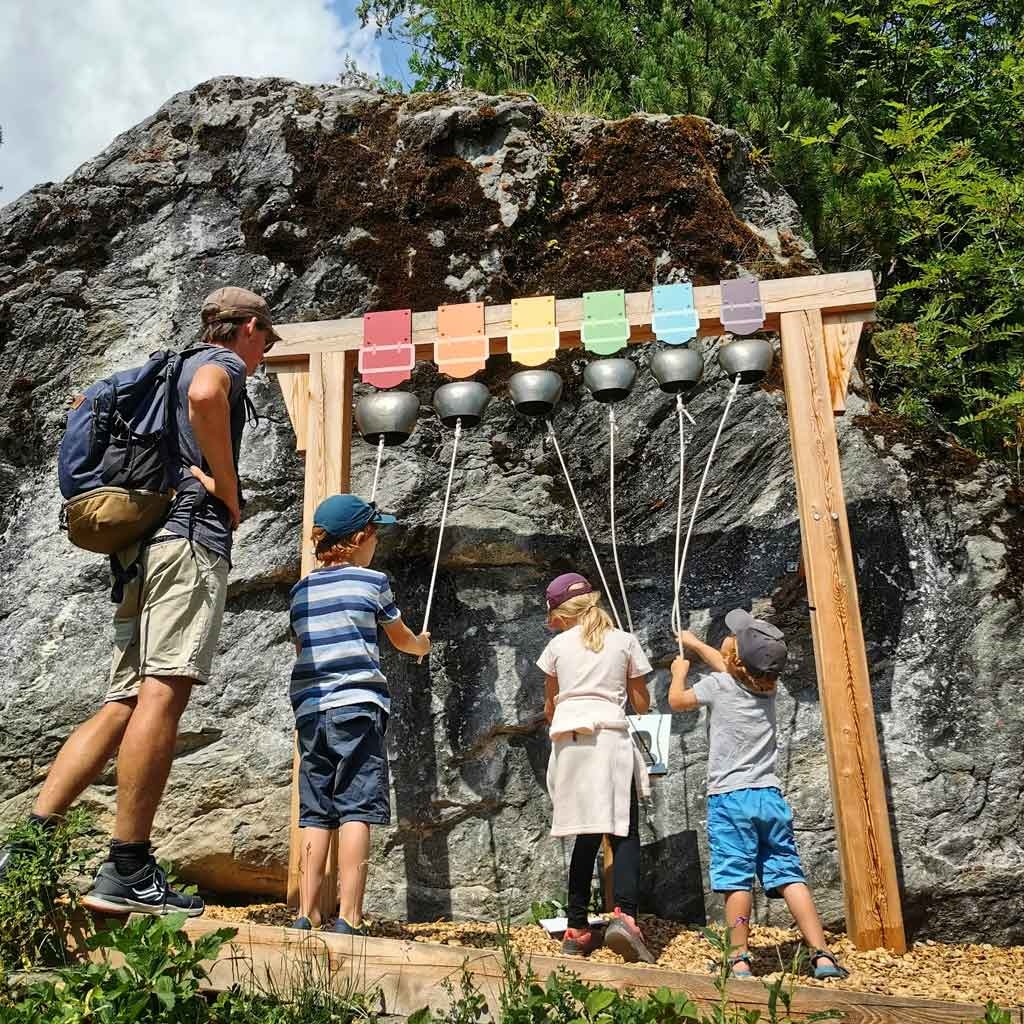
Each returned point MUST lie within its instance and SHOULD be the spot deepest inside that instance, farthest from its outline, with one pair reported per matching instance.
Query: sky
(76, 73)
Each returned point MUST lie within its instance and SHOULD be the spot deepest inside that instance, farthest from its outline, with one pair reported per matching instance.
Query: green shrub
(156, 982)
(37, 895)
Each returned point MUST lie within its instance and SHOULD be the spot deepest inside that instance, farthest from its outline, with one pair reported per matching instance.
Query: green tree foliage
(898, 125)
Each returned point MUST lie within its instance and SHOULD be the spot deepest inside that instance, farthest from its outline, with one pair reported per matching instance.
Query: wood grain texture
(409, 976)
(294, 382)
(829, 293)
(871, 893)
(842, 337)
(328, 471)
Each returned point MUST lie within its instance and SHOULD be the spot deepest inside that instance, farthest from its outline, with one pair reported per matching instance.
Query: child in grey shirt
(750, 824)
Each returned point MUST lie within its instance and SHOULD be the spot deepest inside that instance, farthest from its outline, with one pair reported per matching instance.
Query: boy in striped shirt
(341, 702)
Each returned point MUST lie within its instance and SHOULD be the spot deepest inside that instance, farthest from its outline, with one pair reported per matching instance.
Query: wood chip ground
(930, 970)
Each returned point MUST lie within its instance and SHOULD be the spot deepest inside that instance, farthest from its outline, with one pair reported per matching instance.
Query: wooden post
(870, 888)
(608, 874)
(328, 471)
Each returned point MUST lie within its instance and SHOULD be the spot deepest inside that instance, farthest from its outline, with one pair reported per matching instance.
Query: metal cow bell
(677, 370)
(750, 358)
(390, 415)
(609, 380)
(463, 400)
(535, 392)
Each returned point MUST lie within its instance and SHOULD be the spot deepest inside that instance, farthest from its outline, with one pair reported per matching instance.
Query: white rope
(583, 523)
(677, 621)
(611, 513)
(700, 489)
(440, 534)
(376, 472)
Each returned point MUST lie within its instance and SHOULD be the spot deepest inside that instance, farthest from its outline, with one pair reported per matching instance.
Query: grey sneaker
(623, 936)
(145, 892)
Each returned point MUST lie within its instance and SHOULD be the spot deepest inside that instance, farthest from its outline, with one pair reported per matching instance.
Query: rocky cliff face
(332, 201)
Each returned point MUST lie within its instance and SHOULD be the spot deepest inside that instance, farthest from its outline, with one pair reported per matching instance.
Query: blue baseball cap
(344, 514)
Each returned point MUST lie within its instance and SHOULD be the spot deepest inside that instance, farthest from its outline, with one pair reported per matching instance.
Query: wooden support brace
(870, 888)
(328, 470)
(842, 337)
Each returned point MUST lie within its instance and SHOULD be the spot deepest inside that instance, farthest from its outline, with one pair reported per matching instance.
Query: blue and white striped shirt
(334, 617)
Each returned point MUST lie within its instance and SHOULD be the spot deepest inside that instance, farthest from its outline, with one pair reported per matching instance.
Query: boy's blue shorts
(343, 767)
(750, 832)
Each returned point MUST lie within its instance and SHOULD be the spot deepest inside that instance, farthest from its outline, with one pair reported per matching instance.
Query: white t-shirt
(591, 684)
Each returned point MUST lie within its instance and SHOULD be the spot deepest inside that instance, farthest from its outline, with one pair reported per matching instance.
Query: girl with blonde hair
(595, 771)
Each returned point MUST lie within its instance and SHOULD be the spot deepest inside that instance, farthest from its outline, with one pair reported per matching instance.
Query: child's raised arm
(680, 696)
(639, 695)
(711, 656)
(405, 640)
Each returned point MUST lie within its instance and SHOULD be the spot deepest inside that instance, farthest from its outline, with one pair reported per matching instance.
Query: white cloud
(76, 73)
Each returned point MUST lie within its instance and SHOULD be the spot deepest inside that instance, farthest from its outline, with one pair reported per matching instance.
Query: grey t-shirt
(742, 743)
(193, 509)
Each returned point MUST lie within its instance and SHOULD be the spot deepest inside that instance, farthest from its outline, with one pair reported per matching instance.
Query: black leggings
(626, 872)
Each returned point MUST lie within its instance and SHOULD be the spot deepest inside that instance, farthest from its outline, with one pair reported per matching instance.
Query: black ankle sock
(128, 858)
(46, 821)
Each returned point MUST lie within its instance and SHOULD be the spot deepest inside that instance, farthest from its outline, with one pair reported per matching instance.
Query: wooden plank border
(409, 975)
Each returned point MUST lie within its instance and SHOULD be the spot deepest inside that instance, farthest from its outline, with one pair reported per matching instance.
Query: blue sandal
(741, 958)
(828, 971)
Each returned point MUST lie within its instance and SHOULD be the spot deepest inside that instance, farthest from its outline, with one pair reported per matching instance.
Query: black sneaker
(145, 892)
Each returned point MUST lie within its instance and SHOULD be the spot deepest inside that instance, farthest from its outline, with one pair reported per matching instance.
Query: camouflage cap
(235, 305)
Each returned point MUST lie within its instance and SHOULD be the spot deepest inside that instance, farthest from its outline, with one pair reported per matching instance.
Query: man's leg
(130, 880)
(353, 864)
(84, 755)
(147, 749)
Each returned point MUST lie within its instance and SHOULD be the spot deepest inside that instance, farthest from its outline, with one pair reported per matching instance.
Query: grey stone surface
(333, 201)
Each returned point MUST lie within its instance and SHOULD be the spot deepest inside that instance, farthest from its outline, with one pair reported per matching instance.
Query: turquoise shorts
(750, 832)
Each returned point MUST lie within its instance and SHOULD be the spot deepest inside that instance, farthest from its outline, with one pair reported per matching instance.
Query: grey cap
(761, 645)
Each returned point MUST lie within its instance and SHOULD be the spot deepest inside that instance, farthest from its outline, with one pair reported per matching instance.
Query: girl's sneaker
(625, 938)
(581, 941)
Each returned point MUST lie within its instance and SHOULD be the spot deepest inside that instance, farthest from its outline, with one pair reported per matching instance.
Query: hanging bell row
(391, 415)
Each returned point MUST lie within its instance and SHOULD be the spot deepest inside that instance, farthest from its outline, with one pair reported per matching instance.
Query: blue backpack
(118, 460)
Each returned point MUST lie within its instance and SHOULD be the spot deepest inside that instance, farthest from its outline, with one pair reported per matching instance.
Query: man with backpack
(168, 619)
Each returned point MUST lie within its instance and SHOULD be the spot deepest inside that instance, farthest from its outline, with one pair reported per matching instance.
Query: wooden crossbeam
(829, 293)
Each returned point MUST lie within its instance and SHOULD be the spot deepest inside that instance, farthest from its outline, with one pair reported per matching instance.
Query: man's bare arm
(209, 413)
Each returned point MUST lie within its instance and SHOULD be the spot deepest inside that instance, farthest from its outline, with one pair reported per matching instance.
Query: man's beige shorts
(169, 620)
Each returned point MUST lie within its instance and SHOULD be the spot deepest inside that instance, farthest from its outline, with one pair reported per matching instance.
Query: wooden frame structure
(819, 320)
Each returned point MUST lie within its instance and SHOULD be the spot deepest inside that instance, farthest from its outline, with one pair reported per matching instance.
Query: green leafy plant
(38, 899)
(150, 972)
(995, 1015)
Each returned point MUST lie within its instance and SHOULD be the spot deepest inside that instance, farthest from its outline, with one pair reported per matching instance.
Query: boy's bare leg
(315, 844)
(84, 755)
(147, 749)
(801, 906)
(738, 907)
(353, 863)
